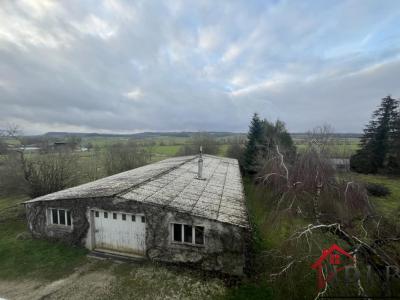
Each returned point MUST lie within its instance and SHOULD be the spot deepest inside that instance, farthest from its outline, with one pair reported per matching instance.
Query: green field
(389, 205)
(339, 148)
(25, 257)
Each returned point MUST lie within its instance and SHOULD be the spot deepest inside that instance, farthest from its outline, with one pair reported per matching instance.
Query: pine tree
(262, 139)
(376, 141)
(277, 134)
(254, 139)
(393, 164)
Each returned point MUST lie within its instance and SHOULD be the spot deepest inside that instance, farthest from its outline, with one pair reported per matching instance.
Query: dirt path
(115, 281)
(82, 284)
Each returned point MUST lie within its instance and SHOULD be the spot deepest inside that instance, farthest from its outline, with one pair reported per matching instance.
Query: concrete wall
(224, 248)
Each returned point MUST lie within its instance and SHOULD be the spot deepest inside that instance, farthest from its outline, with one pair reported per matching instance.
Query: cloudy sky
(129, 66)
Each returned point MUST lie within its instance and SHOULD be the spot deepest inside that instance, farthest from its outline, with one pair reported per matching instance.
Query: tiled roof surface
(173, 183)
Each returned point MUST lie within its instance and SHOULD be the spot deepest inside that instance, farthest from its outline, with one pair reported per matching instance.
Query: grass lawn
(223, 149)
(389, 205)
(30, 258)
(166, 150)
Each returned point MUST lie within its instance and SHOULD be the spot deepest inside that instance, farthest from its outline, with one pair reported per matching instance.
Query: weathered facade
(161, 211)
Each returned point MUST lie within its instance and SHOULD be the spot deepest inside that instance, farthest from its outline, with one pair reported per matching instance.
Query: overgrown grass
(299, 281)
(389, 205)
(137, 282)
(24, 257)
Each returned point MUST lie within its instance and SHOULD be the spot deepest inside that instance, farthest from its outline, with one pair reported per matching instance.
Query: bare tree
(122, 157)
(236, 148)
(50, 173)
(39, 174)
(321, 138)
(204, 139)
(336, 209)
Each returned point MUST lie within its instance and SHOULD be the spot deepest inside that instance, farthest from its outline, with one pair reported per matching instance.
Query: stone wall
(224, 249)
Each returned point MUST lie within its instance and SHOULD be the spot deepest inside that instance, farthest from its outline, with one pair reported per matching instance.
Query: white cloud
(231, 53)
(25, 32)
(208, 38)
(38, 9)
(95, 26)
(134, 94)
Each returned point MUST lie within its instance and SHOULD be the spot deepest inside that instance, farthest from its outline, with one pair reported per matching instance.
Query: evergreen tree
(261, 144)
(376, 141)
(393, 164)
(277, 134)
(254, 139)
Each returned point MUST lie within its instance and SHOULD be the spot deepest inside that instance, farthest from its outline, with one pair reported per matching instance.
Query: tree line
(380, 144)
(298, 188)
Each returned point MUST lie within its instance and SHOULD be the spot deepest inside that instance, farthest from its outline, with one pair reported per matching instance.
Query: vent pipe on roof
(200, 165)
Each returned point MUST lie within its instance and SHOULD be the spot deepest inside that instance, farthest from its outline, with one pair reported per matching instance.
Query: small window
(133, 218)
(68, 218)
(61, 214)
(105, 215)
(123, 217)
(177, 232)
(143, 219)
(60, 217)
(199, 235)
(114, 216)
(187, 234)
(54, 213)
(96, 214)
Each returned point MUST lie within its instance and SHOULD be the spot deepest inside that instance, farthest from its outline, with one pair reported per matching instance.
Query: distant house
(340, 164)
(173, 211)
(62, 145)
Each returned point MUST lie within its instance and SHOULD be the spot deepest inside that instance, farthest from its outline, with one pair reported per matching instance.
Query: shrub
(377, 190)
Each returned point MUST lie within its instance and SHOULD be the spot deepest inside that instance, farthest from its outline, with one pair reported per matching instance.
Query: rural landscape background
(58, 160)
(304, 94)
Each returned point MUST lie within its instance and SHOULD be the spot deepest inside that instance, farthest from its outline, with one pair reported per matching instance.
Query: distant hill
(140, 135)
(183, 134)
(302, 135)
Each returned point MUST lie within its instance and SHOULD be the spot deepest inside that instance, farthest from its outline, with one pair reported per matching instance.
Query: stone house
(183, 210)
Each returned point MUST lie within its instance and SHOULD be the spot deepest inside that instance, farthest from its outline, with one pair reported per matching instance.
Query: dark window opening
(133, 218)
(54, 213)
(114, 216)
(199, 235)
(62, 216)
(187, 234)
(177, 232)
(68, 218)
(105, 215)
(96, 214)
(123, 217)
(143, 219)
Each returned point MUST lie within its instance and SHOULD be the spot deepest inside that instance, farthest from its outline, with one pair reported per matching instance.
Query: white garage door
(120, 232)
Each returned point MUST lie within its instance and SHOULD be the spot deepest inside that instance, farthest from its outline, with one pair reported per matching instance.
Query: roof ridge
(127, 190)
(114, 193)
